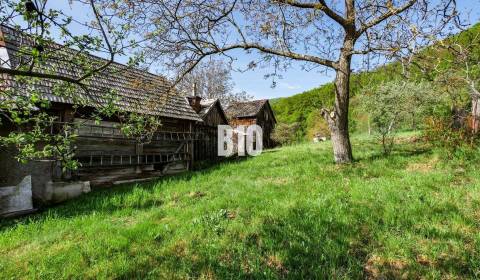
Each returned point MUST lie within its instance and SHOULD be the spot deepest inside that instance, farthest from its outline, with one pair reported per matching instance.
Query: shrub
(316, 125)
(397, 104)
(456, 139)
(286, 134)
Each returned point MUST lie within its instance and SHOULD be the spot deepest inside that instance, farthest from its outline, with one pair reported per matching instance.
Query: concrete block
(175, 168)
(62, 191)
(16, 198)
(149, 167)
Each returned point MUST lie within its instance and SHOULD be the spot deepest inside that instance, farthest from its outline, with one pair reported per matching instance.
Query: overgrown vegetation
(289, 213)
(304, 108)
(286, 134)
(396, 104)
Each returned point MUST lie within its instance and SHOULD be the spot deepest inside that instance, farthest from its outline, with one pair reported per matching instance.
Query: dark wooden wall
(206, 143)
(106, 155)
(265, 119)
(215, 117)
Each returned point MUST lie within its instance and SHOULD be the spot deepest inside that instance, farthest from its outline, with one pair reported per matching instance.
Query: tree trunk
(369, 126)
(338, 118)
(342, 149)
(475, 113)
(414, 122)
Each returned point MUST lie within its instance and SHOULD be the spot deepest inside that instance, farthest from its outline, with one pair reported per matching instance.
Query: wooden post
(192, 160)
(138, 152)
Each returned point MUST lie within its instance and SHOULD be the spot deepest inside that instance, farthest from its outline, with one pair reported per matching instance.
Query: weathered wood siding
(243, 121)
(214, 117)
(106, 155)
(206, 143)
(265, 119)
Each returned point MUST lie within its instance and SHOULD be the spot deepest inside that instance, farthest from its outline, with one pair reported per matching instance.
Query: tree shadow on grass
(99, 201)
(315, 245)
(311, 242)
(303, 243)
(106, 200)
(206, 165)
(398, 152)
(270, 151)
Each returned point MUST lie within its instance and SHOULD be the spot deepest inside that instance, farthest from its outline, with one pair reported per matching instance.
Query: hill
(304, 108)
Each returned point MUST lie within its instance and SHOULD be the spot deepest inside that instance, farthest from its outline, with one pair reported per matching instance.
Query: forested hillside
(304, 108)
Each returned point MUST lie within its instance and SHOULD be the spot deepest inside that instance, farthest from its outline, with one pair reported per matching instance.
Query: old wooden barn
(105, 154)
(212, 114)
(253, 112)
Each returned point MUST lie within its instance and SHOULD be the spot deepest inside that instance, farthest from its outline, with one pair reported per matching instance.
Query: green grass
(289, 213)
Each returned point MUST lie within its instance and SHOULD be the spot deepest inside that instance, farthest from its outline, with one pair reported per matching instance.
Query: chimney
(194, 100)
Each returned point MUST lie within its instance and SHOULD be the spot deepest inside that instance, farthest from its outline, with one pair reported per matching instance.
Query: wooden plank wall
(118, 150)
(205, 147)
(205, 143)
(266, 121)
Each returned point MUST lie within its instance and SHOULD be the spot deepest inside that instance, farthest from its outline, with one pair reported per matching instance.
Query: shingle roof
(135, 90)
(245, 109)
(208, 104)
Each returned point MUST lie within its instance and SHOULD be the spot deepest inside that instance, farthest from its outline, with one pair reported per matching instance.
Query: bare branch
(321, 5)
(24, 73)
(107, 42)
(286, 54)
(392, 12)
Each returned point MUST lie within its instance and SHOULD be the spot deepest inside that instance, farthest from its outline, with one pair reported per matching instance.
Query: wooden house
(106, 155)
(213, 115)
(254, 112)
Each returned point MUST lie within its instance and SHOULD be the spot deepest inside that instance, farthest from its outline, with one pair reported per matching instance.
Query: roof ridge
(254, 100)
(245, 108)
(54, 42)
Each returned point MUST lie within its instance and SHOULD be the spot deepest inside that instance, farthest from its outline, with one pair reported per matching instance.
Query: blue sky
(295, 80)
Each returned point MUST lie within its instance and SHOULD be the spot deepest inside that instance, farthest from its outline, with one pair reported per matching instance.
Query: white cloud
(290, 86)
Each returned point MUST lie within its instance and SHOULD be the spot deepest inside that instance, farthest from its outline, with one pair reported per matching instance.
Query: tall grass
(288, 213)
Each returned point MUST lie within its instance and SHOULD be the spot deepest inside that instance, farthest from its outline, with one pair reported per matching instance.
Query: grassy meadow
(288, 213)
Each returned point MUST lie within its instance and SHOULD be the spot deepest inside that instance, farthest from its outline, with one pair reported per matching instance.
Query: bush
(316, 125)
(397, 104)
(286, 134)
(457, 141)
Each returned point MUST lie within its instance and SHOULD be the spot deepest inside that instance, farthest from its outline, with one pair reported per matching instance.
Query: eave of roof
(136, 90)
